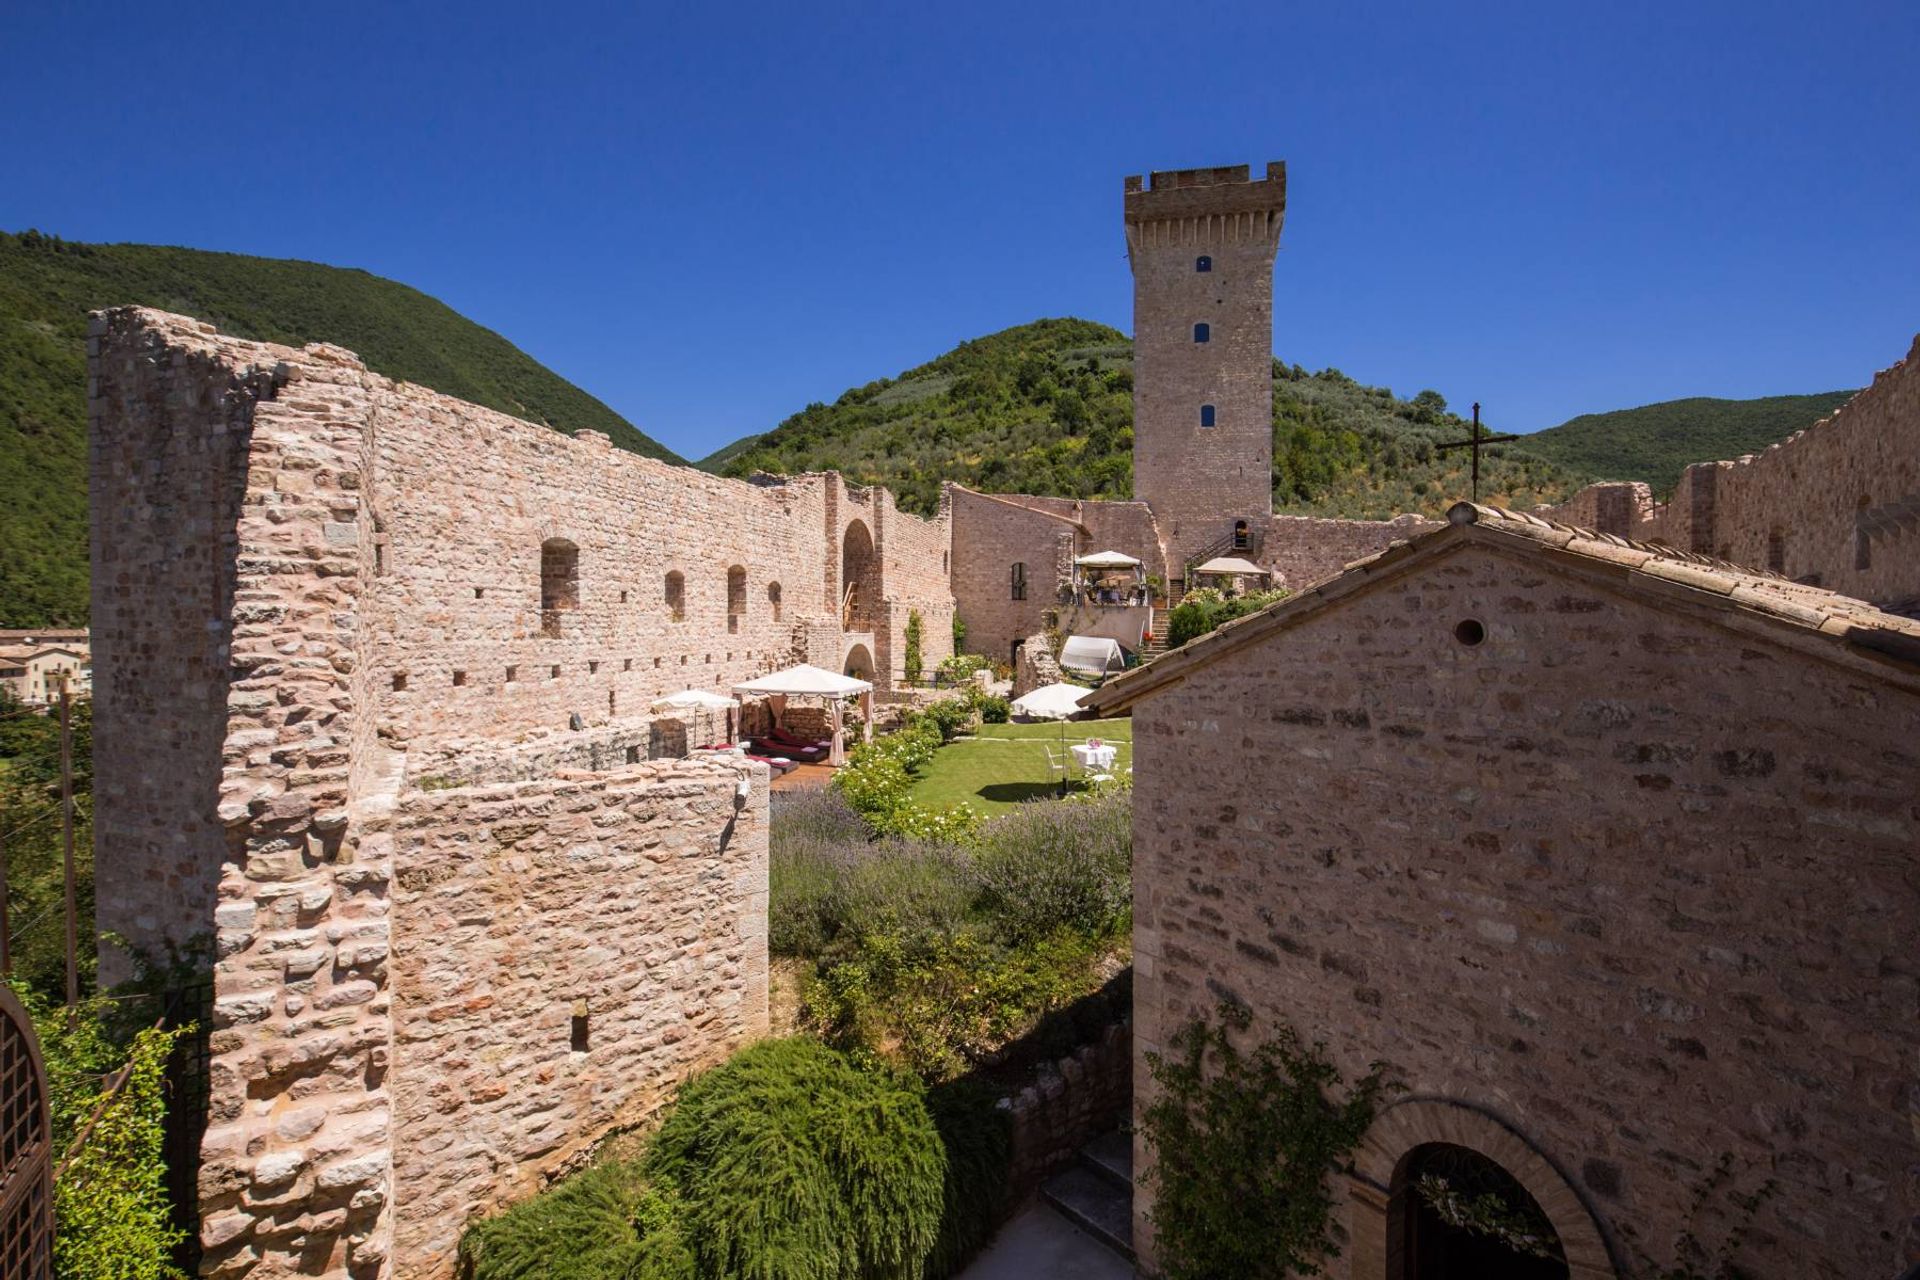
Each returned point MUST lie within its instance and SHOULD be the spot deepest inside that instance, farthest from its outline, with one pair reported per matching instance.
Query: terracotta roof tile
(1671, 573)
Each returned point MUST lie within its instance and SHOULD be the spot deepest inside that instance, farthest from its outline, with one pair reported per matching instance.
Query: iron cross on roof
(1474, 444)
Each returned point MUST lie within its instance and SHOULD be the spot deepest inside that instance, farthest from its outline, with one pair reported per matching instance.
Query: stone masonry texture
(374, 674)
(1837, 505)
(374, 713)
(1199, 479)
(1636, 883)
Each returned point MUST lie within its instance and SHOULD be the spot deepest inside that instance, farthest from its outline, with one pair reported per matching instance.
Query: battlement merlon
(1175, 194)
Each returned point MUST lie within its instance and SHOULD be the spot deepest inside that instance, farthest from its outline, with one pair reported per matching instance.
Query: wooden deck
(806, 777)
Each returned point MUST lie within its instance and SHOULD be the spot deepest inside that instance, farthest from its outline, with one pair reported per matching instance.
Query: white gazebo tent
(701, 701)
(1092, 655)
(1102, 565)
(1232, 567)
(805, 681)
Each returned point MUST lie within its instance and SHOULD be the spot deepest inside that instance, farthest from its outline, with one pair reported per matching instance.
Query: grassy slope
(1047, 408)
(1655, 442)
(46, 289)
(1006, 764)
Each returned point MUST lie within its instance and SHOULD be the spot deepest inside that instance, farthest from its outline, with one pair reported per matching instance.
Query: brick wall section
(1300, 550)
(514, 903)
(1640, 885)
(1197, 479)
(1854, 474)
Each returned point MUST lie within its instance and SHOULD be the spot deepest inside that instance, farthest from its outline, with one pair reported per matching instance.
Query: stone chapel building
(1607, 850)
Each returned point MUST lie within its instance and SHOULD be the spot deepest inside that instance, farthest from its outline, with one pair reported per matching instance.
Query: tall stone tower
(1201, 243)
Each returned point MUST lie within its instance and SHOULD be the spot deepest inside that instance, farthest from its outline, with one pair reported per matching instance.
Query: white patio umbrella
(1050, 702)
(698, 700)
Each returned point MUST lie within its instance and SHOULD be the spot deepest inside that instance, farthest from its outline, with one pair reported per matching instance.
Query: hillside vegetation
(47, 286)
(1047, 408)
(1656, 442)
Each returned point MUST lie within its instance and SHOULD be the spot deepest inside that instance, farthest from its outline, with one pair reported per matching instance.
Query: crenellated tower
(1201, 243)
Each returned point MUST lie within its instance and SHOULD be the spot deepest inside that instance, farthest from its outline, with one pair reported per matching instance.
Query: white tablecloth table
(1092, 758)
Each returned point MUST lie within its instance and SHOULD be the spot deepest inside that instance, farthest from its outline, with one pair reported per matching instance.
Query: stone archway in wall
(859, 663)
(1422, 1134)
(859, 602)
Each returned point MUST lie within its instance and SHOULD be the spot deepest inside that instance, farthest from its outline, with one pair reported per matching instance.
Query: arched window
(677, 596)
(736, 596)
(1206, 415)
(1203, 332)
(1203, 263)
(773, 600)
(1242, 536)
(1019, 581)
(559, 582)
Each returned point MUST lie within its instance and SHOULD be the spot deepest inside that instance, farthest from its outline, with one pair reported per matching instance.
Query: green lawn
(1007, 763)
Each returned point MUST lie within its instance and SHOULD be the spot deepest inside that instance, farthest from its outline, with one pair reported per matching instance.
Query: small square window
(459, 678)
(593, 666)
(1206, 415)
(513, 673)
(1203, 332)
(553, 672)
(1203, 263)
(399, 682)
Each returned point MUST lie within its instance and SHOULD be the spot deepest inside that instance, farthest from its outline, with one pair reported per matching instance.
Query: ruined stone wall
(295, 1159)
(1638, 885)
(462, 650)
(1300, 550)
(990, 535)
(917, 556)
(1619, 508)
(169, 430)
(565, 951)
(283, 573)
(1837, 504)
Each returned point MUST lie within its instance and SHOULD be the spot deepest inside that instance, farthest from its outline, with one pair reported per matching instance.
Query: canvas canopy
(1107, 560)
(1050, 702)
(1232, 566)
(1092, 655)
(804, 681)
(695, 700)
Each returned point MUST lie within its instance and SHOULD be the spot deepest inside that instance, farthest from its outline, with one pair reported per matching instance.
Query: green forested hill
(1656, 442)
(47, 286)
(1047, 408)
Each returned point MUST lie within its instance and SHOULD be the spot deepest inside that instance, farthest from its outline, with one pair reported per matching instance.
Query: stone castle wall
(1636, 884)
(1837, 504)
(304, 611)
(565, 951)
(1301, 550)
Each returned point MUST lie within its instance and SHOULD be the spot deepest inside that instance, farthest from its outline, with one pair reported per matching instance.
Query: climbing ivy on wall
(1243, 1141)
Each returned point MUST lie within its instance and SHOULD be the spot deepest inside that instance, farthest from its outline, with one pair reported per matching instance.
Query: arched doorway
(1402, 1144)
(1455, 1214)
(859, 663)
(859, 579)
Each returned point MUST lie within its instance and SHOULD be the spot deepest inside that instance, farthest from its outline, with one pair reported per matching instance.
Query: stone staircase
(1158, 627)
(1095, 1192)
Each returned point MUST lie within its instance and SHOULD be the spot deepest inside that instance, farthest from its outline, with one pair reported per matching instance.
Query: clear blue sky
(709, 215)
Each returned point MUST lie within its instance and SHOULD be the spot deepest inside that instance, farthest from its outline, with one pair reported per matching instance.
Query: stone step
(1093, 1203)
(1111, 1156)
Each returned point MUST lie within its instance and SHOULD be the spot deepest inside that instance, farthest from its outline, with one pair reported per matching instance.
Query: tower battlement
(1173, 194)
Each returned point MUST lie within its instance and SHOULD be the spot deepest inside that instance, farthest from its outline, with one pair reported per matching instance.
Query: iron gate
(26, 1150)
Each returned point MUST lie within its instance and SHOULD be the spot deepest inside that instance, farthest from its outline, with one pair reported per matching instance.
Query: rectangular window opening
(459, 678)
